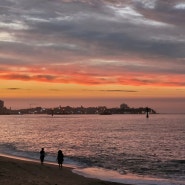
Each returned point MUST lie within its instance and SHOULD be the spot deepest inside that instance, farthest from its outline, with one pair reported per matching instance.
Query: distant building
(124, 106)
(1, 104)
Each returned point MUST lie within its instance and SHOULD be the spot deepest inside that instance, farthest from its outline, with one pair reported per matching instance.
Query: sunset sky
(93, 52)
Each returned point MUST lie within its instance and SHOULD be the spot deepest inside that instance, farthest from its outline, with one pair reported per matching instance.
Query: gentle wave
(124, 144)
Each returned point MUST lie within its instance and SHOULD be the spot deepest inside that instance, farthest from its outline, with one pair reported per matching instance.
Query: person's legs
(42, 160)
(60, 165)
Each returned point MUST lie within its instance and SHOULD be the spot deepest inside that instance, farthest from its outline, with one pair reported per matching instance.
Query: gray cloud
(129, 91)
(14, 89)
(61, 31)
(114, 90)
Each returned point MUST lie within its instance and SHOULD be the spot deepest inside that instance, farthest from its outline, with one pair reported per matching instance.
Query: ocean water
(120, 148)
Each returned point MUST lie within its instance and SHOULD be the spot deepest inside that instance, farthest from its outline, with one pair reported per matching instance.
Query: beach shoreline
(18, 172)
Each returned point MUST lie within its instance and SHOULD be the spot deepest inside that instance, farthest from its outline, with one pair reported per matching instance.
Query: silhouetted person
(60, 158)
(42, 155)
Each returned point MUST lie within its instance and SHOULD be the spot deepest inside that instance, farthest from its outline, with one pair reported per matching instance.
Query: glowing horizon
(92, 50)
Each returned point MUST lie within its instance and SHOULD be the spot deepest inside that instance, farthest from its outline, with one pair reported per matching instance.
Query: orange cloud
(67, 77)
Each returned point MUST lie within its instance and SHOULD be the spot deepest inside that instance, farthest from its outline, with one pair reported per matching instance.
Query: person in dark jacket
(60, 158)
(42, 155)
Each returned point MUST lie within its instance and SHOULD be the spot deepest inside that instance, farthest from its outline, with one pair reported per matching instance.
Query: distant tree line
(103, 110)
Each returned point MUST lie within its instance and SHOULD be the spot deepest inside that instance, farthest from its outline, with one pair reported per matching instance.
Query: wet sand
(18, 172)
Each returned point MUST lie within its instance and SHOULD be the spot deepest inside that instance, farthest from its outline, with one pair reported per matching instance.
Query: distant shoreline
(101, 110)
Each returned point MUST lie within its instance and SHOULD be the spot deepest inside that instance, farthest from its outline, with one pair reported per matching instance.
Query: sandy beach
(18, 172)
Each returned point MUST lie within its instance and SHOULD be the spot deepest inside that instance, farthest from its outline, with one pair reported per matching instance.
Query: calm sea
(121, 148)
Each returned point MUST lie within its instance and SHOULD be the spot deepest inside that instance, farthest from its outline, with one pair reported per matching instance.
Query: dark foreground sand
(17, 172)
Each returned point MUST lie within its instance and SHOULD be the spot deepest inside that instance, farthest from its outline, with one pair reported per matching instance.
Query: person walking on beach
(42, 155)
(60, 158)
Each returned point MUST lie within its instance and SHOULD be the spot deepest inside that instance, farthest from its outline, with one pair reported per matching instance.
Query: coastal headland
(60, 110)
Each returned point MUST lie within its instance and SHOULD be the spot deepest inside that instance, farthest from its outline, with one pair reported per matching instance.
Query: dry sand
(18, 172)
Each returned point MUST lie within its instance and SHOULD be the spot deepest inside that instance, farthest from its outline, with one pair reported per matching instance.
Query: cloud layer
(93, 42)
